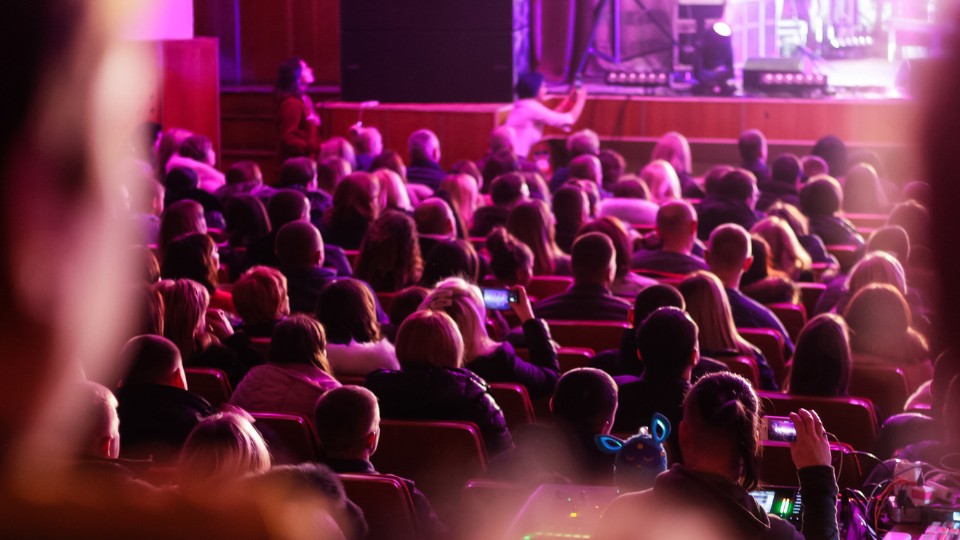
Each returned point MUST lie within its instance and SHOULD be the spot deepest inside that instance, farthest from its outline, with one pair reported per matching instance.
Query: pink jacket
(283, 388)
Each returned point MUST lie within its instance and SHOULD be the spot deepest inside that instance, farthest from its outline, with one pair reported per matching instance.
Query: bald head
(729, 253)
(434, 216)
(347, 420)
(593, 258)
(299, 245)
(153, 360)
(287, 205)
(424, 146)
(101, 434)
(502, 138)
(677, 226)
(586, 167)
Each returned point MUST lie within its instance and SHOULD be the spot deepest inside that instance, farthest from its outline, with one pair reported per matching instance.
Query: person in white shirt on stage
(530, 115)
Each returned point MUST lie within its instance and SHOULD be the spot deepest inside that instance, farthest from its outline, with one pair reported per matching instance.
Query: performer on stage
(530, 115)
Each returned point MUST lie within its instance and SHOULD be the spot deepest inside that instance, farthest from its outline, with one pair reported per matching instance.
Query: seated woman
(661, 180)
(625, 283)
(389, 257)
(498, 362)
(821, 199)
(355, 207)
(875, 267)
(511, 261)
(881, 326)
(863, 192)
(432, 384)
(708, 496)
(220, 451)
(451, 258)
(295, 375)
(800, 226)
(196, 153)
(571, 209)
(178, 219)
(260, 296)
(348, 312)
(533, 224)
(674, 148)
(195, 257)
(707, 303)
(822, 360)
(787, 255)
(763, 282)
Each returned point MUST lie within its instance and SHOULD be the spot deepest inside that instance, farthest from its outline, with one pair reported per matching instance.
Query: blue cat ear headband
(660, 428)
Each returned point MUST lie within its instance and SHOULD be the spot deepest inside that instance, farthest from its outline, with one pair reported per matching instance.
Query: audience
(260, 296)
(571, 209)
(451, 258)
(533, 224)
(662, 181)
(390, 258)
(822, 362)
(626, 283)
(733, 201)
(300, 174)
(821, 200)
(782, 183)
(195, 257)
(355, 208)
(752, 145)
(506, 192)
(585, 142)
(630, 202)
(787, 255)
(300, 253)
(435, 223)
(862, 191)
(675, 150)
(881, 326)
(677, 229)
(221, 450)
(589, 298)
(424, 168)
(244, 178)
(347, 309)
(511, 261)
(432, 383)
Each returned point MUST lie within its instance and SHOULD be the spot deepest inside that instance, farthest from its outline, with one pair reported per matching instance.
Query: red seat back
(777, 468)
(262, 346)
(289, 437)
(793, 317)
(568, 357)
(595, 335)
(386, 300)
(514, 401)
(210, 384)
(916, 374)
(885, 386)
(771, 345)
(810, 294)
(847, 256)
(544, 286)
(851, 419)
(386, 504)
(744, 366)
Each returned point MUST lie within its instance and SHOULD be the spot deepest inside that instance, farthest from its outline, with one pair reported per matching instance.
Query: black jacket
(429, 393)
(715, 211)
(156, 419)
(583, 302)
(539, 375)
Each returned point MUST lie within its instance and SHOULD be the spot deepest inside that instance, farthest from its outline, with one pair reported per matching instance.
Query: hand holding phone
(498, 299)
(811, 447)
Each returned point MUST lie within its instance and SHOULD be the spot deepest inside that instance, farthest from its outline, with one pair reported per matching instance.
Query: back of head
(356, 196)
(877, 267)
(100, 425)
(501, 162)
(708, 305)
(501, 138)
(507, 189)
(613, 165)
(737, 185)
(918, 191)
(614, 229)
(510, 259)
(676, 219)
(287, 205)
(297, 171)
(299, 339)
(654, 297)
(299, 245)
(728, 248)
(339, 147)
(393, 192)
(181, 217)
(221, 449)
(945, 369)
(390, 253)
(243, 173)
(821, 196)
(330, 170)
(593, 259)
(893, 239)
(877, 309)
(170, 141)
(429, 338)
(822, 361)
(463, 302)
(423, 146)
(629, 187)
(915, 219)
(786, 169)
(406, 302)
(197, 148)
(862, 191)
(585, 141)
(451, 258)
(347, 310)
(152, 360)
(586, 167)
(191, 256)
(752, 145)
(813, 166)
(722, 411)
(528, 85)
(711, 181)
(668, 343)
(260, 295)
(673, 148)
(246, 218)
(434, 217)
(834, 151)
(585, 398)
(368, 141)
(345, 418)
(570, 206)
(180, 179)
(662, 180)
(533, 224)
(389, 159)
(185, 305)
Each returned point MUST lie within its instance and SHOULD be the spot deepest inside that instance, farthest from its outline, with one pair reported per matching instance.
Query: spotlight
(714, 60)
(644, 79)
(781, 75)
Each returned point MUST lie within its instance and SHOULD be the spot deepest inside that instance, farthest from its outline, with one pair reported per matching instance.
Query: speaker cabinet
(433, 51)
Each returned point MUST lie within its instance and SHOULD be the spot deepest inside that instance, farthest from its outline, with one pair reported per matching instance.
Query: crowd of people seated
(348, 294)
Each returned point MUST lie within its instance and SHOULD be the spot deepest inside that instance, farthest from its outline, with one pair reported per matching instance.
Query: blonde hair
(708, 305)
(393, 192)
(186, 303)
(787, 254)
(463, 191)
(429, 338)
(221, 448)
(260, 295)
(675, 150)
(662, 180)
(463, 302)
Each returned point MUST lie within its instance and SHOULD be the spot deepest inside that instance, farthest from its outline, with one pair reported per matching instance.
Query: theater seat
(595, 335)
(544, 286)
(386, 504)
(916, 374)
(668, 278)
(810, 294)
(770, 343)
(358, 380)
(846, 255)
(514, 401)
(851, 419)
(885, 386)
(744, 366)
(793, 317)
(386, 300)
(777, 468)
(352, 256)
(489, 507)
(866, 221)
(568, 357)
(262, 346)
(439, 456)
(210, 384)
(289, 437)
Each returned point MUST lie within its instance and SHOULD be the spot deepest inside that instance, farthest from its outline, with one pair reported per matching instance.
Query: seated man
(589, 298)
(667, 345)
(729, 255)
(732, 200)
(677, 228)
(155, 409)
(753, 151)
(588, 167)
(584, 404)
(506, 192)
(300, 252)
(368, 143)
(347, 420)
(300, 173)
(585, 142)
(424, 168)
(783, 183)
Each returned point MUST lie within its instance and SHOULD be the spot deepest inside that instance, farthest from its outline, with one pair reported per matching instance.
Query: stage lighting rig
(714, 61)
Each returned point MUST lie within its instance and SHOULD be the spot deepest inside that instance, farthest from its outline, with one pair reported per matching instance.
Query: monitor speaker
(433, 51)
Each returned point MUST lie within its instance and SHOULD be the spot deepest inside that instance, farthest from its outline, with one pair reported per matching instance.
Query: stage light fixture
(714, 63)
(645, 79)
(782, 76)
